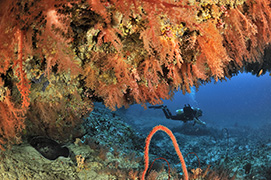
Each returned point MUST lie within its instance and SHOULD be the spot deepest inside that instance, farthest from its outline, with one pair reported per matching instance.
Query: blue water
(243, 100)
(238, 117)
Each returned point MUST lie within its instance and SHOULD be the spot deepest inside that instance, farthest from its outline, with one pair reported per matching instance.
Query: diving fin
(156, 107)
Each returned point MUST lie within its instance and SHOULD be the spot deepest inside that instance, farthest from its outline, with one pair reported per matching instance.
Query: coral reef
(248, 155)
(106, 128)
(72, 53)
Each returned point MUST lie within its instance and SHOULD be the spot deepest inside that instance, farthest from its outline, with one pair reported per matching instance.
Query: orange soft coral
(11, 122)
(23, 84)
(126, 51)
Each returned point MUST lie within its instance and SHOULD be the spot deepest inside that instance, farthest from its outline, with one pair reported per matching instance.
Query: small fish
(48, 148)
(260, 72)
(45, 84)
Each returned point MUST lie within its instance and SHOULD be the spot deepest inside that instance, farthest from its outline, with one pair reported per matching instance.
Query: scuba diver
(188, 113)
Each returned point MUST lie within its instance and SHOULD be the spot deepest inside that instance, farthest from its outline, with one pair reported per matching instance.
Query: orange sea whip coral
(175, 144)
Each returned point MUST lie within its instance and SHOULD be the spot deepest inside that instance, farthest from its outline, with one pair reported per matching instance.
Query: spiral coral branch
(175, 144)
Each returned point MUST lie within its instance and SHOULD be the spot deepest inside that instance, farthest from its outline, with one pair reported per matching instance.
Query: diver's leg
(167, 112)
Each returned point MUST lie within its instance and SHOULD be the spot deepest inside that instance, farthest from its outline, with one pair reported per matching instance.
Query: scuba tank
(179, 111)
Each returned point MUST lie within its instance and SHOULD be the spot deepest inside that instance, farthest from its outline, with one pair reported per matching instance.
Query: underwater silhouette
(188, 113)
(48, 148)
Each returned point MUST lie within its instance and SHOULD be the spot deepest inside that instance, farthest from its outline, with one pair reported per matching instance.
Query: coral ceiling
(58, 57)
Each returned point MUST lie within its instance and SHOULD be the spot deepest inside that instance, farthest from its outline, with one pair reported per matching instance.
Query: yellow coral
(80, 162)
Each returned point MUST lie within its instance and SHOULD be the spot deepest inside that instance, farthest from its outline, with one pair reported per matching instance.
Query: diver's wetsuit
(188, 113)
(170, 116)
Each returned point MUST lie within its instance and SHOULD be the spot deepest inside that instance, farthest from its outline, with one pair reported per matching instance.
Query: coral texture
(123, 51)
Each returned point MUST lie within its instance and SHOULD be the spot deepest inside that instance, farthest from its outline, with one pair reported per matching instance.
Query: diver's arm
(198, 121)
